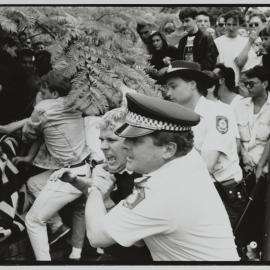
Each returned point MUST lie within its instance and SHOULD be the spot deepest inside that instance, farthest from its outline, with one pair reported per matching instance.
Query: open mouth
(110, 160)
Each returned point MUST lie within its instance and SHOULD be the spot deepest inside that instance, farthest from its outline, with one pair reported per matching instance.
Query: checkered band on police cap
(141, 121)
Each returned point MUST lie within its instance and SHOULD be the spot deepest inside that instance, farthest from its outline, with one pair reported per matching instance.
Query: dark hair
(265, 31)
(188, 13)
(10, 42)
(213, 81)
(37, 43)
(203, 12)
(236, 15)
(183, 140)
(56, 81)
(43, 54)
(152, 50)
(141, 25)
(258, 14)
(22, 33)
(25, 52)
(228, 75)
(259, 72)
(188, 77)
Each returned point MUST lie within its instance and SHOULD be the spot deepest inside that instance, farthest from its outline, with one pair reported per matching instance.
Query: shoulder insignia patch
(222, 124)
(134, 198)
(138, 194)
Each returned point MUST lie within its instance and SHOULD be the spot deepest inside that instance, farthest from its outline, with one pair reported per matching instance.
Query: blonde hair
(113, 118)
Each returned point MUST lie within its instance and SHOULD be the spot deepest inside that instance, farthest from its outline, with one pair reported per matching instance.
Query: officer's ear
(221, 81)
(55, 94)
(170, 150)
(265, 84)
(193, 84)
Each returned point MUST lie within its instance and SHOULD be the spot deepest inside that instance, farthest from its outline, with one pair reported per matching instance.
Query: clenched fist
(103, 180)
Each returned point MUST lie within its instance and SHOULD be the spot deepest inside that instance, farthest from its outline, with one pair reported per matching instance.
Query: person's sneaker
(61, 231)
(75, 254)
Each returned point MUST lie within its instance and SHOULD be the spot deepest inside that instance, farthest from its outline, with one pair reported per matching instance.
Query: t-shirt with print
(188, 51)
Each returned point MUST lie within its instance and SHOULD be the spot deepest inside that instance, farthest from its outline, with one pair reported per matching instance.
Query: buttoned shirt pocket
(263, 129)
(244, 131)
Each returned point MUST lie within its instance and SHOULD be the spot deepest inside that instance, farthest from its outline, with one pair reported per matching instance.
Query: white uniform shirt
(234, 103)
(229, 49)
(180, 216)
(216, 131)
(254, 129)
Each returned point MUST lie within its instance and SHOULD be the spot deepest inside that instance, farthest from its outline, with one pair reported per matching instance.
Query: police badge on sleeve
(222, 124)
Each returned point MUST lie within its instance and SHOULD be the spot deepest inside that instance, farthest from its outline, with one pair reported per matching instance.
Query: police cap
(148, 114)
(179, 68)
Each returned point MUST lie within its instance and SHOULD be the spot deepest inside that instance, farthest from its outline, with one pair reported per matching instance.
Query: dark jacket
(125, 184)
(205, 51)
(166, 51)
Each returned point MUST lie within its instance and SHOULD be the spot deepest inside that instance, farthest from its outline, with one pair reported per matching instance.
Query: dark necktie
(125, 184)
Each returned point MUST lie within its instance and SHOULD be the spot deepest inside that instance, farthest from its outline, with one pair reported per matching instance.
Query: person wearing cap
(112, 170)
(214, 137)
(170, 205)
(62, 130)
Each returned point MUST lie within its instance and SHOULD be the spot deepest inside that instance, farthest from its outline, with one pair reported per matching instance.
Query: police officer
(214, 136)
(112, 170)
(174, 207)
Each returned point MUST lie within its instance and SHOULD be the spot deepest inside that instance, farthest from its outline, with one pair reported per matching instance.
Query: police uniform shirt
(179, 218)
(228, 111)
(216, 132)
(234, 103)
(254, 129)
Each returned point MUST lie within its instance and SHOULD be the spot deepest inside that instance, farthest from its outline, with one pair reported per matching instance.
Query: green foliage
(95, 46)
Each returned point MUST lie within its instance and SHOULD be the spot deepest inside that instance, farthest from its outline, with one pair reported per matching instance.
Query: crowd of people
(177, 178)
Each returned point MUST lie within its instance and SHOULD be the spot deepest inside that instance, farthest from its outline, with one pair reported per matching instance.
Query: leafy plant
(94, 46)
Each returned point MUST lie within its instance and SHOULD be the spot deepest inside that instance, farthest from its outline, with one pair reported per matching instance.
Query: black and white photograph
(134, 134)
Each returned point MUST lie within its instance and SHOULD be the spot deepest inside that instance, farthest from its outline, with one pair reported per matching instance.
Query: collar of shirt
(171, 164)
(249, 103)
(125, 170)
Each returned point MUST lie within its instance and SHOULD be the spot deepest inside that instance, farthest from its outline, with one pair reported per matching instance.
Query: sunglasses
(221, 24)
(249, 84)
(254, 24)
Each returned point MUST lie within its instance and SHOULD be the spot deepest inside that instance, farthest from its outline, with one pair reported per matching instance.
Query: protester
(253, 121)
(196, 46)
(265, 36)
(43, 62)
(144, 30)
(220, 26)
(115, 159)
(161, 54)
(64, 136)
(234, 50)
(203, 20)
